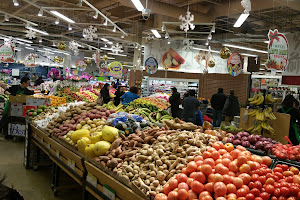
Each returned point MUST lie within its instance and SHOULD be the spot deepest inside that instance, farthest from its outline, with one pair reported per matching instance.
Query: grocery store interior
(149, 99)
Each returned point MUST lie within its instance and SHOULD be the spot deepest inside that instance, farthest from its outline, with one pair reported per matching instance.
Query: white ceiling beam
(19, 18)
(65, 8)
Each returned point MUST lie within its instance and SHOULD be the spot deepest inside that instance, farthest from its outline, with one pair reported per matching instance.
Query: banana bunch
(269, 99)
(257, 99)
(269, 114)
(255, 127)
(266, 126)
(260, 116)
(253, 113)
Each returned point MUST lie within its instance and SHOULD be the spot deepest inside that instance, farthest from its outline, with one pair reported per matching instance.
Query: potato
(93, 125)
(93, 130)
(82, 123)
(89, 122)
(98, 123)
(78, 127)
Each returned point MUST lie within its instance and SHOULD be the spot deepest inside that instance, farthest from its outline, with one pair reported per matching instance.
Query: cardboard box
(17, 129)
(17, 99)
(25, 108)
(37, 102)
(16, 109)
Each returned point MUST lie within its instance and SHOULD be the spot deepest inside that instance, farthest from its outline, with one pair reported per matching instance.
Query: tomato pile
(225, 173)
(286, 151)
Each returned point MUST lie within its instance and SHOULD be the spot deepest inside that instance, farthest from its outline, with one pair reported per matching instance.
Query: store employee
(20, 89)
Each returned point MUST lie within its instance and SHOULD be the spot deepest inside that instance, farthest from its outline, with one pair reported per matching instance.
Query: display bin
(101, 184)
(70, 162)
(290, 163)
(42, 138)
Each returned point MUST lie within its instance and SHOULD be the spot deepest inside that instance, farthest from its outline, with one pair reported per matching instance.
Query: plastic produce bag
(122, 119)
(137, 118)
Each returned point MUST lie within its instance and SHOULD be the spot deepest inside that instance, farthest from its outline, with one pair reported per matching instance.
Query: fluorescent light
(105, 23)
(57, 21)
(115, 29)
(156, 33)
(169, 42)
(213, 29)
(16, 3)
(117, 54)
(267, 42)
(20, 42)
(139, 6)
(109, 42)
(6, 17)
(62, 16)
(263, 64)
(96, 15)
(70, 27)
(262, 69)
(40, 12)
(29, 48)
(80, 3)
(37, 30)
(23, 40)
(40, 40)
(245, 48)
(201, 49)
(104, 39)
(250, 55)
(104, 48)
(209, 37)
(88, 57)
(41, 50)
(28, 45)
(122, 36)
(240, 20)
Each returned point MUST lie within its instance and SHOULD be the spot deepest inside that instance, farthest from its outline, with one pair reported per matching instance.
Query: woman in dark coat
(105, 93)
(231, 108)
(175, 102)
(118, 94)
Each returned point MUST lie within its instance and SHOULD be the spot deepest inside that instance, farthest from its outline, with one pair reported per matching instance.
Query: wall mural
(174, 57)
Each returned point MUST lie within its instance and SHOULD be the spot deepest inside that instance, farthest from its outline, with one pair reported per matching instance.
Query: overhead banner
(115, 67)
(277, 51)
(151, 65)
(7, 53)
(235, 64)
(29, 60)
(105, 72)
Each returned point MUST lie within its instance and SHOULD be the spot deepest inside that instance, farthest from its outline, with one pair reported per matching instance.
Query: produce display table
(80, 168)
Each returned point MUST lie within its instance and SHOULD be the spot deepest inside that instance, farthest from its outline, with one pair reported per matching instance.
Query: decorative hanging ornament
(8, 42)
(150, 38)
(105, 57)
(247, 5)
(90, 33)
(58, 59)
(30, 34)
(188, 45)
(61, 46)
(73, 46)
(225, 53)
(211, 63)
(88, 61)
(187, 21)
(116, 49)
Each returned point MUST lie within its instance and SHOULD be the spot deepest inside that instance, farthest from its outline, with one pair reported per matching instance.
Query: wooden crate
(99, 179)
(42, 139)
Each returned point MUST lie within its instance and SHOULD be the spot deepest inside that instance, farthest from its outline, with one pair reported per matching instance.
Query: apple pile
(222, 173)
(286, 151)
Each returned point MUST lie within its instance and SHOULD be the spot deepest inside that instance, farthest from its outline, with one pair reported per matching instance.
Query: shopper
(118, 83)
(118, 94)
(104, 94)
(175, 102)
(7, 193)
(288, 108)
(113, 85)
(38, 81)
(231, 108)
(190, 105)
(130, 96)
(217, 102)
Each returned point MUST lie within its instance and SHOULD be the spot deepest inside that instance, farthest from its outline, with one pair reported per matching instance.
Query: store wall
(41, 70)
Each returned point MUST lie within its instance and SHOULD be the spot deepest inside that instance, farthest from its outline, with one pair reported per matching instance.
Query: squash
(89, 151)
(110, 133)
(82, 143)
(79, 134)
(101, 147)
(96, 137)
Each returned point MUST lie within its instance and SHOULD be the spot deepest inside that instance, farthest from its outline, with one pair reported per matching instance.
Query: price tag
(57, 153)
(71, 163)
(91, 179)
(107, 191)
(48, 146)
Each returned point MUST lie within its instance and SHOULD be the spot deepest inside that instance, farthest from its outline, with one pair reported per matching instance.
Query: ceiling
(265, 14)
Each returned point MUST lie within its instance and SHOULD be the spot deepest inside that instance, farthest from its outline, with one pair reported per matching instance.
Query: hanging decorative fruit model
(61, 46)
(211, 63)
(105, 57)
(225, 53)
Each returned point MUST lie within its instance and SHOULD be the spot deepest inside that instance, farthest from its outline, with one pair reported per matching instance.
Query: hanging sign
(97, 59)
(277, 51)
(29, 60)
(115, 67)
(151, 65)
(81, 65)
(7, 53)
(235, 64)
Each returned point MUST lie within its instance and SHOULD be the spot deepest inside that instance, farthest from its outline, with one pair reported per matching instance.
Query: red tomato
(231, 188)
(242, 192)
(167, 189)
(277, 185)
(173, 195)
(207, 198)
(262, 179)
(250, 196)
(173, 183)
(182, 194)
(220, 188)
(191, 167)
(255, 192)
(200, 177)
(277, 192)
(274, 198)
(282, 198)
(251, 185)
(192, 195)
(264, 195)
(270, 181)
(258, 198)
(183, 186)
(181, 178)
(209, 187)
(278, 169)
(203, 194)
(254, 177)
(161, 196)
(270, 189)
(285, 191)
(284, 167)
(294, 190)
(246, 188)
(257, 185)
(289, 179)
(197, 187)
(292, 198)
(241, 198)
(285, 184)
(280, 176)
(189, 181)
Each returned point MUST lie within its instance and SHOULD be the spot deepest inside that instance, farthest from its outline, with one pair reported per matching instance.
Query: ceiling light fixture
(206, 43)
(213, 29)
(110, 42)
(245, 48)
(201, 49)
(104, 39)
(122, 36)
(156, 33)
(70, 27)
(29, 45)
(240, 20)
(166, 36)
(37, 30)
(40, 40)
(16, 3)
(163, 28)
(54, 12)
(105, 45)
(137, 3)
(29, 48)
(6, 17)
(96, 15)
(267, 42)
(53, 44)
(57, 21)
(115, 29)
(209, 37)
(105, 23)
(41, 12)
(23, 40)
(169, 42)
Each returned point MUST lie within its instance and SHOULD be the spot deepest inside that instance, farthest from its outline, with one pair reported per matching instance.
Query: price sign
(57, 153)
(91, 179)
(71, 163)
(107, 191)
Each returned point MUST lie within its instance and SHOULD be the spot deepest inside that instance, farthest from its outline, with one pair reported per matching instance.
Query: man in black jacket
(217, 102)
(20, 89)
(231, 108)
(175, 102)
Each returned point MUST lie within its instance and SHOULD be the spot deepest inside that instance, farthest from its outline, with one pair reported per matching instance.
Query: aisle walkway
(33, 185)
